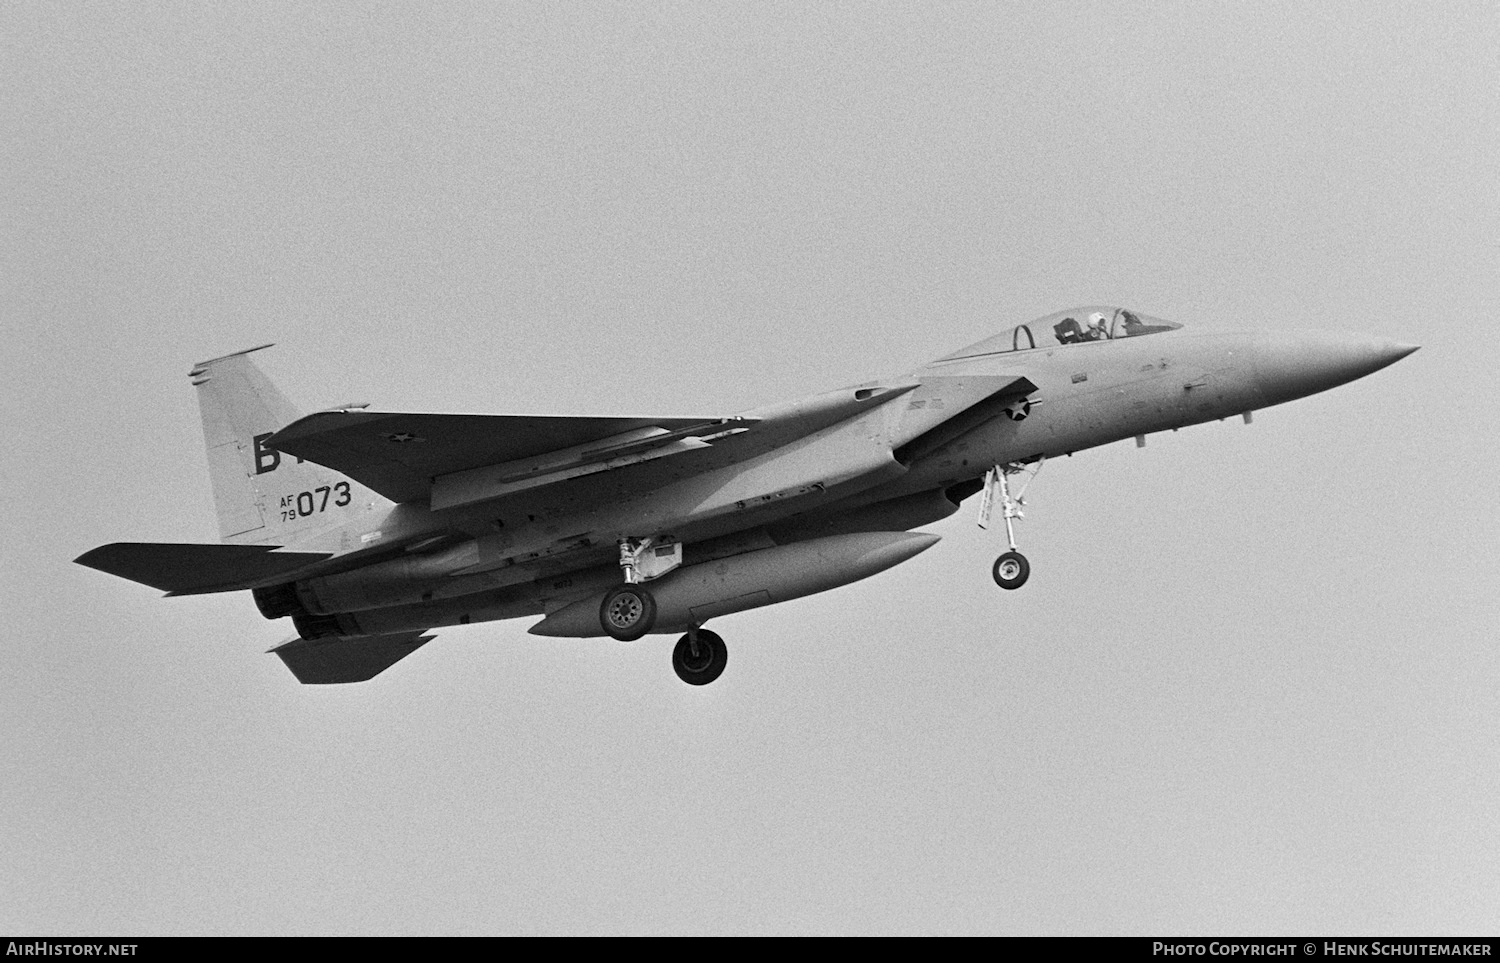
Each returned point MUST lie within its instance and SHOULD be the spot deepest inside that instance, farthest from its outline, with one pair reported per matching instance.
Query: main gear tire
(627, 612)
(702, 663)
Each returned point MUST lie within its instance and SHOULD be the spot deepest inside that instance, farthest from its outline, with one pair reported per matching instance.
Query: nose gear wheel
(1011, 570)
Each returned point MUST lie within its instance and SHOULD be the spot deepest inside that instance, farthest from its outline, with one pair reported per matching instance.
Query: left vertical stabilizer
(261, 495)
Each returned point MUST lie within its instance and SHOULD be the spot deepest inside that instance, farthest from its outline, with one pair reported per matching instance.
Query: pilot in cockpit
(1105, 325)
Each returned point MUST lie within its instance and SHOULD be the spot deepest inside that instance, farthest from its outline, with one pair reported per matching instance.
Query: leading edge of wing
(398, 454)
(337, 660)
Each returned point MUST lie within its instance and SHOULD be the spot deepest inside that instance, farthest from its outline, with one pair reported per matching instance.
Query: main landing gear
(629, 611)
(1011, 569)
(700, 657)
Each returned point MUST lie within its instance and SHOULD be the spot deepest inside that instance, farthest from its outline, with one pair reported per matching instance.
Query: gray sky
(1252, 686)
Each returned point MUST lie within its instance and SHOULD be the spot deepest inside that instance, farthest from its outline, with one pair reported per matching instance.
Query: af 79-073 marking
(384, 525)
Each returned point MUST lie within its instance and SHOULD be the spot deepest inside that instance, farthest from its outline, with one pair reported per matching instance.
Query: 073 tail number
(304, 504)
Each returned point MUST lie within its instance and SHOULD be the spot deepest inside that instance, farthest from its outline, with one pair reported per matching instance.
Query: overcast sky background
(1253, 685)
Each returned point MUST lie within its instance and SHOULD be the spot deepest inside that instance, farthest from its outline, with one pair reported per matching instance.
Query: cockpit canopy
(1078, 326)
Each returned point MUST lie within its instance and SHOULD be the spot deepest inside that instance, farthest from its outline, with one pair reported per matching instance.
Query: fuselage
(885, 456)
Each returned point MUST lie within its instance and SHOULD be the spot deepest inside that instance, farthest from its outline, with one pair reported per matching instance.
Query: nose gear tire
(1011, 570)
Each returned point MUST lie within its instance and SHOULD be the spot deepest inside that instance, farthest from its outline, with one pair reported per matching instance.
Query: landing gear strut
(1011, 569)
(700, 657)
(629, 611)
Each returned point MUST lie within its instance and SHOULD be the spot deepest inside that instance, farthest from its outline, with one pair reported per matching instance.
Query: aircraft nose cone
(1296, 365)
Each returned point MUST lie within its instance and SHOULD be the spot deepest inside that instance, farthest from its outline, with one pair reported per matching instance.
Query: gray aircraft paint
(771, 505)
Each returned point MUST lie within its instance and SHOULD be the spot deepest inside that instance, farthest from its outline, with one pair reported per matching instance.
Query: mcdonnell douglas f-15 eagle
(369, 528)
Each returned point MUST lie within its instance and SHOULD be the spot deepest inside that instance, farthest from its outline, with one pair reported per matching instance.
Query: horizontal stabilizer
(336, 660)
(191, 569)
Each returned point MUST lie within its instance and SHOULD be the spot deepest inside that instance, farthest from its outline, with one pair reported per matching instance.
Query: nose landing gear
(1011, 569)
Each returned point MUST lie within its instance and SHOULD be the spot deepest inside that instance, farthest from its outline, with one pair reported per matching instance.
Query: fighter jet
(370, 528)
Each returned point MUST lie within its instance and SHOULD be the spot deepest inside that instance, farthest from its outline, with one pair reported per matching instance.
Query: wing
(399, 454)
(335, 660)
(187, 569)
